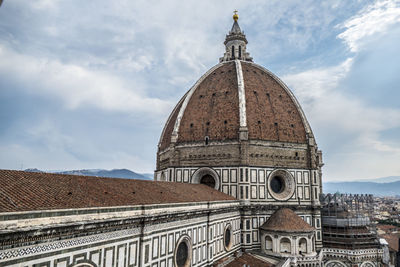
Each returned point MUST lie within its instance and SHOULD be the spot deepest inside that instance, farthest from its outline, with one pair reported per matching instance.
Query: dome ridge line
(241, 94)
(291, 95)
(169, 118)
(174, 136)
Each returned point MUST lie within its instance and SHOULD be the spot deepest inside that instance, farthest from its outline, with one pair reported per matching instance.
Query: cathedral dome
(232, 97)
(237, 114)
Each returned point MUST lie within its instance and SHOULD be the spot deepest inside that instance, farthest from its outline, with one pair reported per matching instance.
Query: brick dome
(232, 97)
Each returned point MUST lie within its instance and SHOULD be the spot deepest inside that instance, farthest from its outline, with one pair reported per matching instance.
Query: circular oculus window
(183, 252)
(281, 185)
(228, 237)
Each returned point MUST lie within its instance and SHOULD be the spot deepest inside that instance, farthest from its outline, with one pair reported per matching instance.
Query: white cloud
(77, 86)
(373, 19)
(348, 123)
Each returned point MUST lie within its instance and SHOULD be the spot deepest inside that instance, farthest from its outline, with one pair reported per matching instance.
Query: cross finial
(235, 15)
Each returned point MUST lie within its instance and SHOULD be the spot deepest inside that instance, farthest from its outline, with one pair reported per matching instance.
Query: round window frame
(289, 185)
(187, 240)
(228, 226)
(200, 172)
(83, 263)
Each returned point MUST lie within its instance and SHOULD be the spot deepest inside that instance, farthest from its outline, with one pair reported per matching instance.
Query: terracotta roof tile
(271, 113)
(213, 109)
(23, 191)
(393, 240)
(250, 261)
(286, 220)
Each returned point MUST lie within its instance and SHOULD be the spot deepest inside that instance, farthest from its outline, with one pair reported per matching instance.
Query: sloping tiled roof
(393, 240)
(249, 260)
(25, 191)
(386, 227)
(286, 220)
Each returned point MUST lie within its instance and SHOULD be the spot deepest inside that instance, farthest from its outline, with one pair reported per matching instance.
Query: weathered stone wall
(122, 238)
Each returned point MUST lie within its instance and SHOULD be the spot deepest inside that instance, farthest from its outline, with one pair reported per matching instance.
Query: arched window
(233, 51)
(285, 245)
(183, 252)
(268, 243)
(303, 246)
(83, 263)
(228, 237)
(240, 51)
(208, 180)
(313, 243)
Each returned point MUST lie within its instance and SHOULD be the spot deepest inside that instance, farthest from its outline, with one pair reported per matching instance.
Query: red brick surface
(213, 109)
(393, 240)
(23, 191)
(286, 220)
(271, 113)
(249, 260)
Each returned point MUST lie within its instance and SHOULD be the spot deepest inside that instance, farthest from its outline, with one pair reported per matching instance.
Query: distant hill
(375, 188)
(388, 179)
(115, 173)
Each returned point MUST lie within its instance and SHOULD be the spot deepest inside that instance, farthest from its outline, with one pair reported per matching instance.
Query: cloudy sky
(89, 84)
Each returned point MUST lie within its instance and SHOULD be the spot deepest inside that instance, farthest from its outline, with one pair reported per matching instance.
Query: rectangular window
(253, 176)
(170, 243)
(262, 192)
(248, 240)
(199, 232)
(299, 178)
(247, 192)
(225, 176)
(233, 191)
(233, 176)
(255, 221)
(300, 192)
(146, 253)
(241, 192)
(241, 175)
(155, 247)
(253, 191)
(163, 245)
(261, 176)
(247, 224)
(306, 177)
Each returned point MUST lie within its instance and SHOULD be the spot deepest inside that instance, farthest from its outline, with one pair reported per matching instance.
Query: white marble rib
(242, 97)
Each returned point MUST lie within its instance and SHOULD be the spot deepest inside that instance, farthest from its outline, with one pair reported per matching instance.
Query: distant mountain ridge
(377, 189)
(114, 173)
(388, 179)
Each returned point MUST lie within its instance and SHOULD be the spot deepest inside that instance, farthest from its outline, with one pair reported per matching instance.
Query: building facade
(237, 183)
(240, 130)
